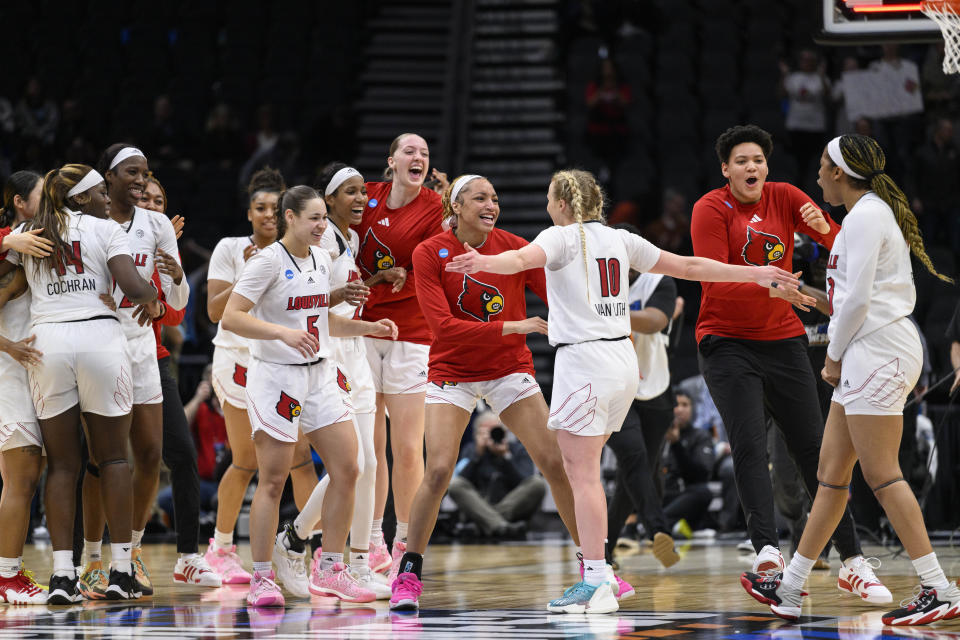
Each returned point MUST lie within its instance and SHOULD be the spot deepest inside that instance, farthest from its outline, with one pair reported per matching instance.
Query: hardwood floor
(490, 591)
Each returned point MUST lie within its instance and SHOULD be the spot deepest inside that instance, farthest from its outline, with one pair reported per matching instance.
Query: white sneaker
(291, 568)
(194, 569)
(368, 580)
(769, 559)
(859, 579)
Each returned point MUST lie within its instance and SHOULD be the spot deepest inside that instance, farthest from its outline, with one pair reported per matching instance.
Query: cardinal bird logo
(374, 255)
(762, 248)
(480, 300)
(288, 407)
(240, 374)
(342, 381)
(444, 383)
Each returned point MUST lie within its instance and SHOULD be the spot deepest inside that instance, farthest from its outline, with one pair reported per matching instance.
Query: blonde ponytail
(580, 190)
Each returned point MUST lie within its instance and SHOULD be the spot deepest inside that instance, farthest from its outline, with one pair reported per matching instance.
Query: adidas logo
(422, 374)
(756, 218)
(846, 384)
(525, 380)
(385, 222)
(310, 280)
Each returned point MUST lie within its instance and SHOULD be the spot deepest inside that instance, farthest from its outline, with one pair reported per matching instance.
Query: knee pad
(93, 470)
(114, 461)
(887, 484)
(838, 487)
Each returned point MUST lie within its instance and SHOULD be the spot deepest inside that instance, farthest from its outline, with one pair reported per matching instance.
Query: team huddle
(351, 301)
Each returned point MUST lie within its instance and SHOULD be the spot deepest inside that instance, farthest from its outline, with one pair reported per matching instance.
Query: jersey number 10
(609, 277)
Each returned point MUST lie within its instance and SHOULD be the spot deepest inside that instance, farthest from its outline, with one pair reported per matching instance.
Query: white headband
(123, 154)
(460, 183)
(833, 150)
(88, 181)
(339, 178)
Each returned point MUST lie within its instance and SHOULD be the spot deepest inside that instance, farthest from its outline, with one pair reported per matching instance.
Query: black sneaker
(290, 539)
(768, 588)
(122, 586)
(63, 590)
(927, 605)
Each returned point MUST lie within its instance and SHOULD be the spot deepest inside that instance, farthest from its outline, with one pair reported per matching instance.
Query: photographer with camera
(496, 485)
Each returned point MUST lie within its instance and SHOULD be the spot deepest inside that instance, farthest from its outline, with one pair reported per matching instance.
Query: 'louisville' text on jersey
(611, 309)
(308, 302)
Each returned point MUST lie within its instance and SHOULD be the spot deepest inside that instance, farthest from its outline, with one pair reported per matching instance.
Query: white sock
(376, 531)
(402, 532)
(797, 571)
(135, 539)
(63, 564)
(222, 540)
(92, 550)
(262, 568)
(930, 572)
(9, 567)
(594, 572)
(359, 560)
(327, 560)
(120, 553)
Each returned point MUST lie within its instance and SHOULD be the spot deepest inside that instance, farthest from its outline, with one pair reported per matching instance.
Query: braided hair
(580, 190)
(864, 156)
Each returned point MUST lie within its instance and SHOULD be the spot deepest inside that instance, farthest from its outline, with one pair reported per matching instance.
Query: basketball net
(945, 14)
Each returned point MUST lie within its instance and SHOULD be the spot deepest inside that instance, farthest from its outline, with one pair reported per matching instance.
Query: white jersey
(148, 231)
(226, 263)
(343, 252)
(291, 292)
(72, 291)
(591, 303)
(869, 276)
(15, 402)
(651, 348)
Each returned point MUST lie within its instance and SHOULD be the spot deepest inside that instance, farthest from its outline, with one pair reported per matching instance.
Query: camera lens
(497, 434)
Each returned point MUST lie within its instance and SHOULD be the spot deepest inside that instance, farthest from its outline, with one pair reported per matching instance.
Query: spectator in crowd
(209, 430)
(842, 123)
(37, 118)
(898, 133)
(687, 464)
(807, 91)
(167, 140)
(939, 89)
(496, 485)
(265, 137)
(671, 231)
(222, 143)
(607, 97)
(934, 185)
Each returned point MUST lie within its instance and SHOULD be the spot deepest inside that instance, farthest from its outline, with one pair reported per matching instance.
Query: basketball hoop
(946, 13)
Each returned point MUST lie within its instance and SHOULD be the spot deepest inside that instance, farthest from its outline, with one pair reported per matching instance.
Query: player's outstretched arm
(707, 270)
(346, 328)
(514, 261)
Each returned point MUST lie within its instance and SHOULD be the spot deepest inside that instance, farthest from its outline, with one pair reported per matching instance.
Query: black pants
(746, 376)
(637, 446)
(691, 504)
(180, 456)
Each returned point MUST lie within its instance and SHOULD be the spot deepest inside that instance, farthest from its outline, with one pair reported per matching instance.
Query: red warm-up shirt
(171, 317)
(387, 239)
(750, 234)
(466, 312)
(4, 232)
(209, 429)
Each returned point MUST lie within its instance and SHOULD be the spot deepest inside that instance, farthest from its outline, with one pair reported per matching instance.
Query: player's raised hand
(814, 219)
(304, 342)
(469, 262)
(168, 266)
(385, 328)
(177, 222)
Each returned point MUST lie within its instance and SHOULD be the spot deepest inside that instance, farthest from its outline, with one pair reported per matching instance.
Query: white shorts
(499, 393)
(76, 369)
(353, 374)
(397, 367)
(15, 403)
(879, 371)
(282, 398)
(20, 434)
(229, 375)
(594, 384)
(142, 352)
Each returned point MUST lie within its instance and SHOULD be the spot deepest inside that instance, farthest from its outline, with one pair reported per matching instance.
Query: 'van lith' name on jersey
(610, 309)
(308, 302)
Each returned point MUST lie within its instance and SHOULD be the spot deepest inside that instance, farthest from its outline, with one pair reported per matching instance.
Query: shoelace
(28, 584)
(770, 575)
(141, 567)
(95, 577)
(581, 588)
(867, 568)
(32, 579)
(919, 593)
(265, 584)
(410, 586)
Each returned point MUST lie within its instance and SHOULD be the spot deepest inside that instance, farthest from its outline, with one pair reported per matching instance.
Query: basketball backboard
(854, 22)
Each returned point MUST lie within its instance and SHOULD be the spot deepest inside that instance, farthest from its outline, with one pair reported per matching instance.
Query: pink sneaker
(380, 559)
(406, 592)
(264, 592)
(399, 548)
(315, 561)
(227, 564)
(340, 583)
